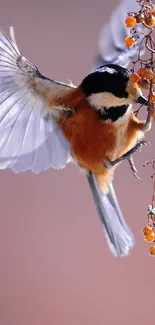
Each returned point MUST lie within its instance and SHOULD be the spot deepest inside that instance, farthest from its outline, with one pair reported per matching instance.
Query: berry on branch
(130, 21)
(129, 41)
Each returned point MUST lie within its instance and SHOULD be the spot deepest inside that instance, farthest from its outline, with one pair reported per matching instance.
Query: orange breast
(92, 140)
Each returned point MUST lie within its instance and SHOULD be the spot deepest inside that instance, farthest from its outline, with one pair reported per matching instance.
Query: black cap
(107, 78)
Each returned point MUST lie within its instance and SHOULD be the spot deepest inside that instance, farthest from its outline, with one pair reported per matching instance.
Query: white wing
(111, 44)
(28, 140)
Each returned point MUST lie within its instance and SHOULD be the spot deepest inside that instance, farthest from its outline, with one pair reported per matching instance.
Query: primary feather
(29, 136)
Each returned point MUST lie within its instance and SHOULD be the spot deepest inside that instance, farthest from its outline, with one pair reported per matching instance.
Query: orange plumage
(94, 140)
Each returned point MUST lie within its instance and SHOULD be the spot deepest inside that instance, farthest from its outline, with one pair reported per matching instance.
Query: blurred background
(55, 265)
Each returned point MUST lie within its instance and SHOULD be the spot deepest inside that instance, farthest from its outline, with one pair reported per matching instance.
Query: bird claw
(138, 146)
(135, 174)
(133, 167)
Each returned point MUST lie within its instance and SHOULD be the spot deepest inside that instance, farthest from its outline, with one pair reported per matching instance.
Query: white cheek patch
(107, 99)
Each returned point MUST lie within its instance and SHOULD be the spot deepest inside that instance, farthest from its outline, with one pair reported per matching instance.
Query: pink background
(55, 267)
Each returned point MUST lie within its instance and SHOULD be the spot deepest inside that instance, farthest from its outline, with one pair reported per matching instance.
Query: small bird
(48, 124)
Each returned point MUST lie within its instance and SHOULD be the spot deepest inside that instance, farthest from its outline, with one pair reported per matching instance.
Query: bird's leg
(144, 127)
(128, 156)
(133, 167)
(147, 124)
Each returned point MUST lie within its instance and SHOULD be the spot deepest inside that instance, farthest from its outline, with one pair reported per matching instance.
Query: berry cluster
(149, 230)
(144, 76)
(145, 16)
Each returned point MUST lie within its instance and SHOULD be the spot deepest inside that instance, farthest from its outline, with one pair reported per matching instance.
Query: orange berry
(145, 73)
(149, 74)
(150, 21)
(152, 250)
(141, 72)
(129, 41)
(147, 231)
(144, 83)
(134, 77)
(150, 238)
(130, 21)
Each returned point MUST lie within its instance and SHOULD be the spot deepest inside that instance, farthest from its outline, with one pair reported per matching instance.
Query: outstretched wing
(111, 43)
(29, 136)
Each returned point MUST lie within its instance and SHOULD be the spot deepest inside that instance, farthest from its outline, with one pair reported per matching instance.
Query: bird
(45, 123)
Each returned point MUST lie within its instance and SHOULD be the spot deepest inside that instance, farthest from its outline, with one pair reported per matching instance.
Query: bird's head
(109, 86)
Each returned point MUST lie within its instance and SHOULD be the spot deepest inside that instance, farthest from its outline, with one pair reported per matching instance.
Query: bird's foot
(133, 167)
(128, 156)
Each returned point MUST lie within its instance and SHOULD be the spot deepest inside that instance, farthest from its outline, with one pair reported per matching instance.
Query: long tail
(118, 235)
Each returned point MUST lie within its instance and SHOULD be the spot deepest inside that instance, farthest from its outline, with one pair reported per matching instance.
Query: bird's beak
(142, 100)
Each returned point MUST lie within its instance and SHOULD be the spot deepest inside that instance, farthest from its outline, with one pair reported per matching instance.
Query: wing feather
(28, 139)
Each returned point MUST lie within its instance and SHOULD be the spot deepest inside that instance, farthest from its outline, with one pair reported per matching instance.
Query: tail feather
(118, 235)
